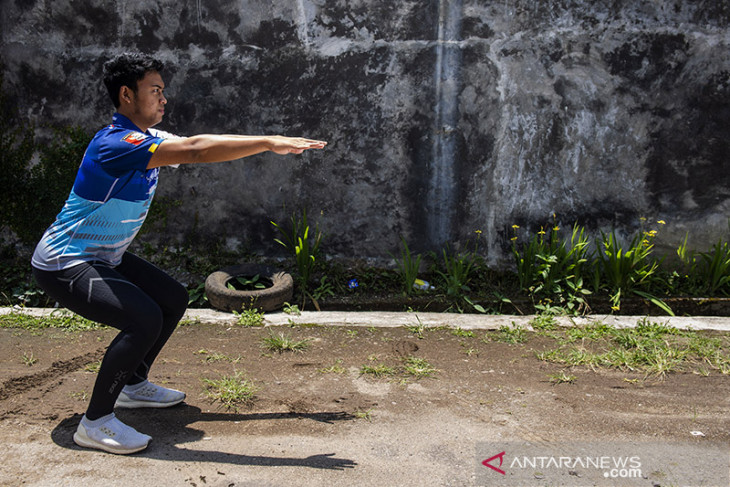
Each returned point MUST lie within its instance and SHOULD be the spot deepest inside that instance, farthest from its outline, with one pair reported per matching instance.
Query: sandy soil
(312, 424)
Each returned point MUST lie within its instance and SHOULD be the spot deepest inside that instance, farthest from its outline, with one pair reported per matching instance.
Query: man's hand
(294, 145)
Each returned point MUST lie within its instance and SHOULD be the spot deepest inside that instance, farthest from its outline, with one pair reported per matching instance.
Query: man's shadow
(170, 426)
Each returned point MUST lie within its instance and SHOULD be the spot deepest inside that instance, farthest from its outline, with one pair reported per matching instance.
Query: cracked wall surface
(443, 117)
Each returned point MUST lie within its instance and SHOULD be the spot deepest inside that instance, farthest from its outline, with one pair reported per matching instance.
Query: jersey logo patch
(134, 138)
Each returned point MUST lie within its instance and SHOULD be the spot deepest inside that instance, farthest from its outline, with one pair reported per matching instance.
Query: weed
(459, 332)
(380, 370)
(457, 272)
(303, 247)
(408, 266)
(562, 378)
(28, 359)
(93, 367)
(508, 334)
(715, 271)
(418, 367)
(196, 296)
(292, 309)
(652, 348)
(245, 283)
(250, 317)
(221, 357)
(57, 319)
(366, 415)
(231, 391)
(548, 267)
(470, 351)
(544, 322)
(337, 368)
(80, 395)
(628, 271)
(281, 343)
(417, 329)
(324, 289)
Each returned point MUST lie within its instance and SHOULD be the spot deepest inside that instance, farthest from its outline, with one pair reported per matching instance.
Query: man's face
(148, 103)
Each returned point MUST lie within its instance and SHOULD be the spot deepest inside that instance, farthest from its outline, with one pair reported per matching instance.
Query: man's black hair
(126, 70)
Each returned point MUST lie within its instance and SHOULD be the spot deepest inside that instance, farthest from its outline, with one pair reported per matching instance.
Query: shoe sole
(132, 404)
(86, 442)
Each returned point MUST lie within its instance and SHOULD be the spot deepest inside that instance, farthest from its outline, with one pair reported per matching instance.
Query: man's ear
(125, 94)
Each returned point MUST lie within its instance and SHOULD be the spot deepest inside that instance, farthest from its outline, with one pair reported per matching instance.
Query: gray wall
(443, 118)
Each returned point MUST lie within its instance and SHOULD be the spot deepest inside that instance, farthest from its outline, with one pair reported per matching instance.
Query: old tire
(269, 299)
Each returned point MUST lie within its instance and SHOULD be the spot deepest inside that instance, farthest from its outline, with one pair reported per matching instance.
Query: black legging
(137, 298)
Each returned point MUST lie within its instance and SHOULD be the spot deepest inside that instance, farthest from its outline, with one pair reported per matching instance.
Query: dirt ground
(317, 420)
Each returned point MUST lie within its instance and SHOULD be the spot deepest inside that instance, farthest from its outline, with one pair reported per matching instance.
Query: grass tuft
(418, 367)
(231, 391)
(282, 343)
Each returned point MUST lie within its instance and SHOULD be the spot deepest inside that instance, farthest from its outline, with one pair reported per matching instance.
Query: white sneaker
(111, 435)
(148, 395)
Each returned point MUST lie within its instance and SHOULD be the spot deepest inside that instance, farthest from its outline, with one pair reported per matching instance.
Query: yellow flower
(615, 308)
(513, 238)
(478, 232)
(556, 228)
(661, 222)
(515, 227)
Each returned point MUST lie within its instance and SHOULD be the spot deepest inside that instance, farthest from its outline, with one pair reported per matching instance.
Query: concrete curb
(395, 319)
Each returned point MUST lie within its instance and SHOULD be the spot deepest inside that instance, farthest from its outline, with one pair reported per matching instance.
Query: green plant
(292, 309)
(653, 348)
(460, 332)
(551, 270)
(379, 370)
(366, 415)
(562, 378)
(324, 289)
(231, 391)
(418, 367)
(196, 296)
(219, 357)
(246, 283)
(544, 322)
(57, 319)
(508, 334)
(628, 271)
(303, 244)
(29, 359)
(249, 317)
(93, 367)
(457, 272)
(715, 269)
(281, 343)
(417, 329)
(408, 267)
(337, 368)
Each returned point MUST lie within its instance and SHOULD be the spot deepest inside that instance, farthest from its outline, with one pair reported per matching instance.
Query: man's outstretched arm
(219, 148)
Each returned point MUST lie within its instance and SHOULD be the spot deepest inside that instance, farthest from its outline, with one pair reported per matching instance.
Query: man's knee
(146, 324)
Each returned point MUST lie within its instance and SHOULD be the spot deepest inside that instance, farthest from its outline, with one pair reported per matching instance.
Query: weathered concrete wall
(443, 117)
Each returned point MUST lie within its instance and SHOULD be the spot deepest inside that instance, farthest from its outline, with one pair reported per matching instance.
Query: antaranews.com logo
(607, 464)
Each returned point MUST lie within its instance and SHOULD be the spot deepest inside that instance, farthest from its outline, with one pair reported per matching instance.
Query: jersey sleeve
(165, 135)
(122, 151)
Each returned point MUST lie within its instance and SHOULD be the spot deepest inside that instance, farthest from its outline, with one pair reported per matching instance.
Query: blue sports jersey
(108, 203)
